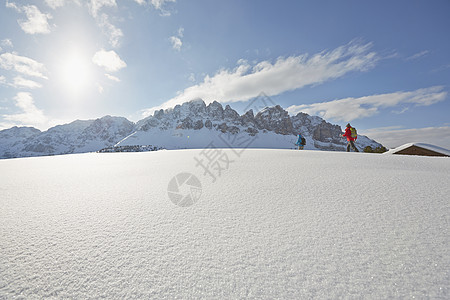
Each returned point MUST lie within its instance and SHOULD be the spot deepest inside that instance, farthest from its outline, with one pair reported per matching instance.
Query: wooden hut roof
(420, 149)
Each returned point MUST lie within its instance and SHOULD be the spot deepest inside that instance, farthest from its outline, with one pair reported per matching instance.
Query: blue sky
(384, 66)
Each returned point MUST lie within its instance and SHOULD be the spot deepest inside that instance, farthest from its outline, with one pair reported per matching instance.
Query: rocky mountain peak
(275, 119)
(248, 118)
(230, 114)
(108, 128)
(158, 113)
(215, 110)
(196, 107)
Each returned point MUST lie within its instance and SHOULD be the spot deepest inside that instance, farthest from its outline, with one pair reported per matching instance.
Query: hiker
(301, 142)
(350, 134)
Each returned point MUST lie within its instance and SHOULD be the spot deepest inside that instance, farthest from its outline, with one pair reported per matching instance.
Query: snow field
(275, 224)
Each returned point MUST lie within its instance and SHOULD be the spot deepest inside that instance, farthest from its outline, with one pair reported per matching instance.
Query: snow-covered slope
(274, 224)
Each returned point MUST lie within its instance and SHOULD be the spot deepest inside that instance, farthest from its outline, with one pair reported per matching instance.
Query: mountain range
(189, 125)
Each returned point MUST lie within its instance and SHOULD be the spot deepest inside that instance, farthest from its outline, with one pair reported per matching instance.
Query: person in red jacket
(350, 139)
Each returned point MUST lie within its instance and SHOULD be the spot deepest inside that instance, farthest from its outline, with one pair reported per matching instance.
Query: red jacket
(348, 134)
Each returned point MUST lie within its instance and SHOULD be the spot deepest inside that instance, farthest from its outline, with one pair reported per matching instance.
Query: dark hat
(348, 125)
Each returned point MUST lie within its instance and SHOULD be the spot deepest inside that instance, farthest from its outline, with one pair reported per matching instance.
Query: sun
(75, 72)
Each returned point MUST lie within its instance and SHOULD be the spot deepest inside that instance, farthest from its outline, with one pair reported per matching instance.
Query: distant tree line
(369, 149)
(135, 148)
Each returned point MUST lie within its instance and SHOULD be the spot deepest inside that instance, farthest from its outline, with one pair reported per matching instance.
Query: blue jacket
(299, 141)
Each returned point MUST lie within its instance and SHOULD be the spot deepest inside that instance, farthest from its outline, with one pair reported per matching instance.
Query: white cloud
(114, 34)
(401, 111)
(55, 3)
(109, 60)
(158, 5)
(176, 43)
(60, 3)
(418, 55)
(181, 32)
(393, 137)
(12, 5)
(30, 116)
(36, 22)
(20, 82)
(176, 40)
(111, 77)
(22, 64)
(96, 5)
(349, 109)
(441, 68)
(7, 43)
(285, 74)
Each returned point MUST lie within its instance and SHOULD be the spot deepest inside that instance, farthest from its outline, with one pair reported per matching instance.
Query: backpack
(353, 133)
(303, 141)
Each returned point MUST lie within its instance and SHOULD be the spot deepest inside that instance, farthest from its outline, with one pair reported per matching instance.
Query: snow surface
(198, 139)
(203, 138)
(422, 145)
(279, 224)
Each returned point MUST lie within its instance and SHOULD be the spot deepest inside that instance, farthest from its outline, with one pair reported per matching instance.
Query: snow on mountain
(11, 140)
(190, 125)
(76, 137)
(196, 125)
(275, 224)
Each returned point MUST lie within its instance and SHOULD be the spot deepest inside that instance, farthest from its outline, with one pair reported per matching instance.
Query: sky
(383, 66)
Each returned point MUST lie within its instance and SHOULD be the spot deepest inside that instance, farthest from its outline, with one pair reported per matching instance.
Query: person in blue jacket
(301, 142)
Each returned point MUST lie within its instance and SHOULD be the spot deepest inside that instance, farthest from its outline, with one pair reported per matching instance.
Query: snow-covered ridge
(190, 125)
(76, 137)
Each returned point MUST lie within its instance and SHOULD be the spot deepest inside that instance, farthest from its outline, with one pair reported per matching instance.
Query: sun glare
(76, 73)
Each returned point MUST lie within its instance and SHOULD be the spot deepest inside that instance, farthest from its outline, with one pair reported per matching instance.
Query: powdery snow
(276, 224)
